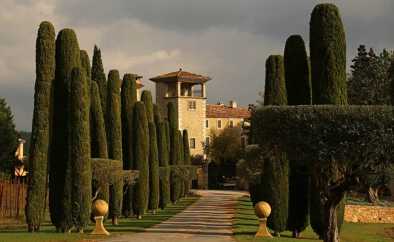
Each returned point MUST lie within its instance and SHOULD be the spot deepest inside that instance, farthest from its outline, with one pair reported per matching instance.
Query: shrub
(80, 157)
(165, 195)
(98, 76)
(154, 188)
(67, 58)
(275, 86)
(45, 73)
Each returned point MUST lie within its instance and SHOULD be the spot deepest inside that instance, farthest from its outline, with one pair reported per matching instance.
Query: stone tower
(188, 92)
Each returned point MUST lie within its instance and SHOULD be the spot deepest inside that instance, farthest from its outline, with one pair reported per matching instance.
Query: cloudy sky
(228, 40)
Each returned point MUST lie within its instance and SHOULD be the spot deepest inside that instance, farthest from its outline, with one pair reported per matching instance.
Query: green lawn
(246, 225)
(126, 225)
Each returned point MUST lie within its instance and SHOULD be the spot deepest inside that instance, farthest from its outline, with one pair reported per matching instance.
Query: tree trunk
(373, 195)
(331, 234)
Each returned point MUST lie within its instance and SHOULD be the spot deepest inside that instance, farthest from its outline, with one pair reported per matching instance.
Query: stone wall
(369, 214)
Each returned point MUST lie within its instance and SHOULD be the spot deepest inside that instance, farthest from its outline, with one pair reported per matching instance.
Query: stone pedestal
(263, 231)
(99, 229)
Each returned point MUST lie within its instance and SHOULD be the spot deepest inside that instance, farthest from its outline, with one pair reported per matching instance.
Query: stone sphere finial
(100, 208)
(262, 209)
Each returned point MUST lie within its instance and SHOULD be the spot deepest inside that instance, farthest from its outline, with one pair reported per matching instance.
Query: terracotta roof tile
(181, 76)
(222, 111)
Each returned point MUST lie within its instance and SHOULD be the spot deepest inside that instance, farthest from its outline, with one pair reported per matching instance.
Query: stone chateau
(188, 91)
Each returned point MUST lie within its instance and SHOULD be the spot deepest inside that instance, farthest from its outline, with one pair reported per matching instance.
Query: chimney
(233, 104)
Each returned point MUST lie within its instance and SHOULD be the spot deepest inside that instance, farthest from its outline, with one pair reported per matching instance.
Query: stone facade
(369, 214)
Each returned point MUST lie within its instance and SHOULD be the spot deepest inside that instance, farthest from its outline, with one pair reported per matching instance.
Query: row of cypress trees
(290, 187)
(78, 115)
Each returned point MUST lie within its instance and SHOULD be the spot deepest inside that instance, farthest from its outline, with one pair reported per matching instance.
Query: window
(231, 124)
(206, 123)
(191, 105)
(219, 124)
(192, 143)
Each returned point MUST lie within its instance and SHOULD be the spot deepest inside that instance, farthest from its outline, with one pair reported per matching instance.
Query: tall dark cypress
(146, 98)
(85, 65)
(67, 58)
(40, 137)
(328, 65)
(174, 150)
(274, 186)
(154, 173)
(275, 86)
(298, 86)
(156, 115)
(98, 138)
(114, 136)
(141, 157)
(391, 76)
(80, 157)
(186, 157)
(164, 156)
(98, 76)
(129, 98)
(328, 55)
(182, 191)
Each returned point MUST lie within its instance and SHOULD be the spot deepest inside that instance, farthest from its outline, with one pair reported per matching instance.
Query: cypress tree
(328, 55)
(297, 72)
(274, 187)
(328, 65)
(180, 163)
(141, 157)
(99, 148)
(67, 58)
(114, 128)
(275, 86)
(298, 89)
(154, 173)
(146, 98)
(129, 98)
(391, 77)
(40, 137)
(80, 157)
(98, 138)
(85, 64)
(156, 115)
(186, 158)
(174, 149)
(164, 156)
(98, 76)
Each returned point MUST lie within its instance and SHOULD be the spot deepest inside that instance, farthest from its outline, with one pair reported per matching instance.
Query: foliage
(80, 157)
(67, 57)
(141, 157)
(38, 169)
(225, 146)
(98, 76)
(165, 194)
(129, 98)
(114, 136)
(346, 144)
(275, 86)
(369, 83)
(146, 98)
(85, 64)
(328, 55)
(154, 186)
(186, 157)
(174, 148)
(297, 72)
(298, 86)
(98, 135)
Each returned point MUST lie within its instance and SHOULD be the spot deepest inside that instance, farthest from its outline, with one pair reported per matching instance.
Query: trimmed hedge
(67, 58)
(146, 98)
(342, 143)
(40, 138)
